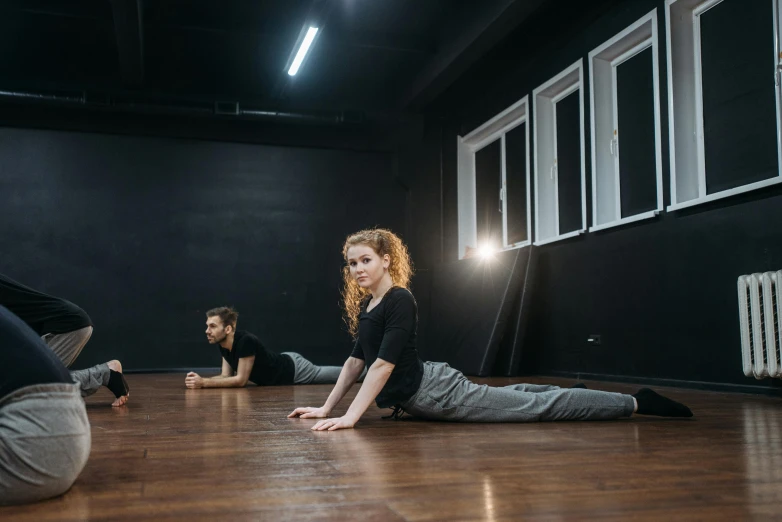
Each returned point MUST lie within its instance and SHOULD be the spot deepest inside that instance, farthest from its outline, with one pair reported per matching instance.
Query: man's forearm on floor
(224, 382)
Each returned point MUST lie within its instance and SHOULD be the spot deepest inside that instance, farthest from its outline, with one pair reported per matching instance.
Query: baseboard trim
(215, 369)
(775, 389)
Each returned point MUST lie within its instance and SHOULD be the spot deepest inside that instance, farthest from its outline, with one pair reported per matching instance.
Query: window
(560, 170)
(624, 83)
(724, 98)
(488, 193)
(494, 184)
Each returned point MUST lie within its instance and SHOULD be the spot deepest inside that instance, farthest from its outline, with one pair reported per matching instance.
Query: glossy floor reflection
(176, 454)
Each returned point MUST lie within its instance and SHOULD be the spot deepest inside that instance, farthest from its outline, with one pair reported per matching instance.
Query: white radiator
(760, 314)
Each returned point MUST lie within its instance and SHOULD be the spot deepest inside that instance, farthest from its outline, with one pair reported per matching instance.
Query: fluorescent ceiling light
(302, 52)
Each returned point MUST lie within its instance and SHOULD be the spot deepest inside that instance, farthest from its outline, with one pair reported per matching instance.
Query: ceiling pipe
(34, 96)
(332, 118)
(216, 110)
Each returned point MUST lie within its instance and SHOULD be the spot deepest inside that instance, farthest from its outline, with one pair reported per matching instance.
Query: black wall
(146, 233)
(661, 293)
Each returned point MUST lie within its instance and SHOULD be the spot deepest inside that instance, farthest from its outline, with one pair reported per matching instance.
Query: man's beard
(220, 339)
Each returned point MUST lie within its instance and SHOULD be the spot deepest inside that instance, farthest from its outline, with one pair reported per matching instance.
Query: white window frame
(467, 147)
(689, 35)
(549, 94)
(635, 39)
(778, 74)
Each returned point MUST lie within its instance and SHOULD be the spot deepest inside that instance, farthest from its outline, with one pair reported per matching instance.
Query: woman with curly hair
(382, 315)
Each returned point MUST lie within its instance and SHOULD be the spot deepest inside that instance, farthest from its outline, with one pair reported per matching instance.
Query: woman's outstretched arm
(376, 378)
(350, 373)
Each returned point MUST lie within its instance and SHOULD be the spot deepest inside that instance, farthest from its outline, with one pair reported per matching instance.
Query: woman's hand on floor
(310, 413)
(340, 423)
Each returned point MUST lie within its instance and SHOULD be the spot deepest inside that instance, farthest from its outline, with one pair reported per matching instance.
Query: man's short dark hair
(226, 314)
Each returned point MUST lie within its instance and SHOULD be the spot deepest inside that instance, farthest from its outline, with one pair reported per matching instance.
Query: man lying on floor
(44, 431)
(246, 359)
(65, 328)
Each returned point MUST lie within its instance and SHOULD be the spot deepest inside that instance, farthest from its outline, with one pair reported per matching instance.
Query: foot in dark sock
(117, 383)
(580, 385)
(652, 403)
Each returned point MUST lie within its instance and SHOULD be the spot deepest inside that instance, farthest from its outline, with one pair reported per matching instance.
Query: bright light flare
(486, 252)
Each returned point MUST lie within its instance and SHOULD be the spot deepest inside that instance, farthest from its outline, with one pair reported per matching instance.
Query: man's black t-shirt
(42, 312)
(25, 359)
(269, 369)
(388, 332)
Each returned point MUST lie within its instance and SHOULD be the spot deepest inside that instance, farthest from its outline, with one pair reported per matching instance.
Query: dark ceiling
(371, 55)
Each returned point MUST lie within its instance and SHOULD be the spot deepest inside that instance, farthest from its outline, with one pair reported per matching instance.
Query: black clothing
(388, 332)
(270, 368)
(42, 312)
(25, 359)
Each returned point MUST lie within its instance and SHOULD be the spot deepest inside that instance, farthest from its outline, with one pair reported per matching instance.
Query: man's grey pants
(68, 346)
(308, 373)
(446, 394)
(44, 441)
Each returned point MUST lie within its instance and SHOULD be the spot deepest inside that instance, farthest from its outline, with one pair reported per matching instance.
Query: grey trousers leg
(44, 442)
(532, 388)
(91, 379)
(69, 345)
(308, 373)
(446, 394)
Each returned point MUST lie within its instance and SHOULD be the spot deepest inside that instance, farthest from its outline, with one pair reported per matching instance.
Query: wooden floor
(177, 454)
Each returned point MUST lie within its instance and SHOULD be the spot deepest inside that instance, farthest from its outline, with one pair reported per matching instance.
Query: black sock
(117, 384)
(652, 403)
(580, 385)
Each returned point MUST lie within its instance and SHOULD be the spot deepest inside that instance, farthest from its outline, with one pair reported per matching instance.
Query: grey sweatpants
(446, 394)
(68, 346)
(308, 373)
(91, 379)
(44, 442)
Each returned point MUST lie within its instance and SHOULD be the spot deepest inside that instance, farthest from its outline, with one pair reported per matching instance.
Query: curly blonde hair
(400, 268)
